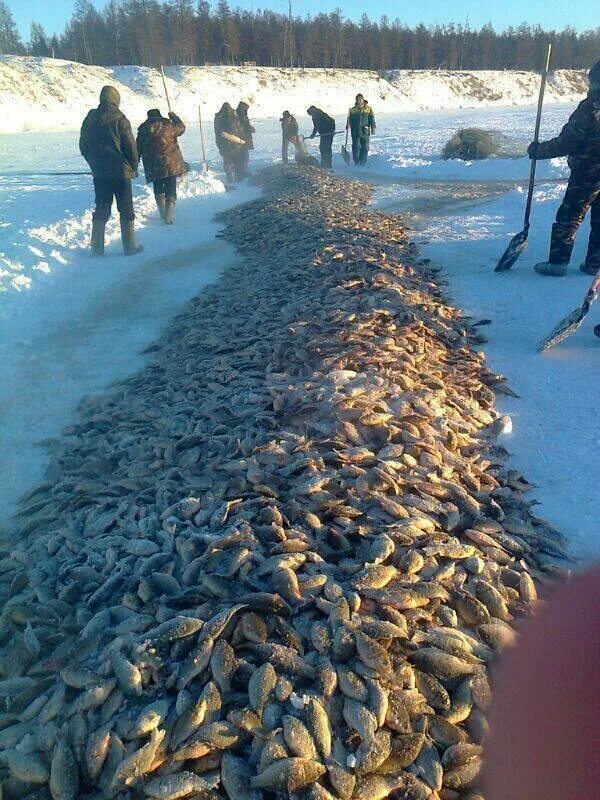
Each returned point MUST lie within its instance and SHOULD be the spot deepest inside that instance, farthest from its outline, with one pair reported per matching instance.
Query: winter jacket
(158, 147)
(247, 128)
(361, 121)
(289, 127)
(226, 121)
(323, 124)
(107, 144)
(579, 139)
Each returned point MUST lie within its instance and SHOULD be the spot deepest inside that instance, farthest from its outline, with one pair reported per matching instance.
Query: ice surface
(70, 324)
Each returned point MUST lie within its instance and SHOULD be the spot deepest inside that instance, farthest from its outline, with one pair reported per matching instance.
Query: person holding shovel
(163, 163)
(579, 140)
(361, 123)
(107, 144)
(324, 125)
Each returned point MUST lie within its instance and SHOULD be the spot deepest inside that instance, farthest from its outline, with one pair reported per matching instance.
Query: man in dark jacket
(289, 133)
(580, 141)
(324, 125)
(107, 144)
(248, 129)
(163, 163)
(361, 122)
(230, 141)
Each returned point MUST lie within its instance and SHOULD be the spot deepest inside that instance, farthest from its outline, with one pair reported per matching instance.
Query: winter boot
(589, 269)
(130, 246)
(98, 237)
(160, 202)
(597, 330)
(548, 268)
(169, 210)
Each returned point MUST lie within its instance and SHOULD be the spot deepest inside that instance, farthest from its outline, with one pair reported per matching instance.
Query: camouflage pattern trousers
(582, 194)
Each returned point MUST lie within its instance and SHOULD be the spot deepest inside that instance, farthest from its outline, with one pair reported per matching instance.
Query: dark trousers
(107, 188)
(285, 144)
(234, 165)
(360, 149)
(325, 146)
(166, 186)
(580, 196)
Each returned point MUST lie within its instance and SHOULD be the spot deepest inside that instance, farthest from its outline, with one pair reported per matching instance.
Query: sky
(53, 14)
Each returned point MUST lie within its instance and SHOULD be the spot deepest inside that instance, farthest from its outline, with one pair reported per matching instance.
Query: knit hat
(110, 96)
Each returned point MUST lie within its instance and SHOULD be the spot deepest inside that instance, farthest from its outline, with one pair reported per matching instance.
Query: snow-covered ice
(70, 324)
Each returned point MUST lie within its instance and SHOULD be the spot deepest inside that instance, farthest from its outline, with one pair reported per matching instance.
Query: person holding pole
(579, 140)
(163, 163)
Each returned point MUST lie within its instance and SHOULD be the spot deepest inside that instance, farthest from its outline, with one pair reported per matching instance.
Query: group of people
(113, 154)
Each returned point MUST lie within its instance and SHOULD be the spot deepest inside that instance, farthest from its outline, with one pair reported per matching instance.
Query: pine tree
(38, 44)
(10, 41)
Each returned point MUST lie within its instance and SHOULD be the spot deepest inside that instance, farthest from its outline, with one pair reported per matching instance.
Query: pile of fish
(281, 559)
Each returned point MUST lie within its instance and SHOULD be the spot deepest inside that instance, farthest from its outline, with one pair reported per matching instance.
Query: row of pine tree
(150, 33)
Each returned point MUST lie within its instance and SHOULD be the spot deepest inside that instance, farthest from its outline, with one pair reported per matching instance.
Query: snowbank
(50, 94)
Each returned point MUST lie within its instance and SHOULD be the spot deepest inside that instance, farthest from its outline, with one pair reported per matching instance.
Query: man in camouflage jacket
(163, 163)
(107, 144)
(361, 122)
(579, 140)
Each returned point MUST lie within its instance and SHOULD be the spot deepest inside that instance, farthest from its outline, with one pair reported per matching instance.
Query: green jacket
(361, 121)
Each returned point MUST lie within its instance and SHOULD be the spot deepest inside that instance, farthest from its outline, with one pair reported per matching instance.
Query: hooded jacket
(226, 121)
(158, 147)
(289, 126)
(579, 138)
(106, 140)
(323, 124)
(361, 121)
(247, 128)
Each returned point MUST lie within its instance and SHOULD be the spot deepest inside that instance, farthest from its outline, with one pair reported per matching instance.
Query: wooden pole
(162, 72)
(204, 166)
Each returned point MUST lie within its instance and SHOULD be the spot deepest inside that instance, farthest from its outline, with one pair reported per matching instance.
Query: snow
(69, 324)
(52, 94)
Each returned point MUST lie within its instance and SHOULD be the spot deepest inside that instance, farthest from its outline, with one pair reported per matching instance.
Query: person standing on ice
(289, 133)
(248, 129)
(229, 137)
(580, 141)
(107, 144)
(361, 123)
(324, 125)
(163, 163)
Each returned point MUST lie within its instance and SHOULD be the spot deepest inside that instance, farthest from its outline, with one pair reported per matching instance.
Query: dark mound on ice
(475, 144)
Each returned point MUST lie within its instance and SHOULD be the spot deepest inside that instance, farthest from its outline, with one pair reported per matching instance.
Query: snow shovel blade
(513, 251)
(345, 154)
(569, 324)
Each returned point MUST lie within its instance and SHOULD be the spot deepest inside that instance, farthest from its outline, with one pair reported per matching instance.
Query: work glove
(532, 150)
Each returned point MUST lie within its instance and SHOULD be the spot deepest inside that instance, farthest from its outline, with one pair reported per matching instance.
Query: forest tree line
(184, 32)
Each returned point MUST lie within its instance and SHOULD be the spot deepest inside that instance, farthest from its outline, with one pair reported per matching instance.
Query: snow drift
(50, 94)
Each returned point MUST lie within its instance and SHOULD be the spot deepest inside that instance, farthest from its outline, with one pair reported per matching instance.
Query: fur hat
(153, 112)
(110, 96)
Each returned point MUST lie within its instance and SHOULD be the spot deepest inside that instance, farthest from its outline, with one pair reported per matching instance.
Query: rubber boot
(130, 246)
(597, 330)
(160, 202)
(589, 269)
(169, 210)
(548, 268)
(98, 227)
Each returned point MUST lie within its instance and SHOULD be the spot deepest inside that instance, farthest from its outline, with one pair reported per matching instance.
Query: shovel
(519, 242)
(345, 153)
(204, 164)
(162, 72)
(572, 321)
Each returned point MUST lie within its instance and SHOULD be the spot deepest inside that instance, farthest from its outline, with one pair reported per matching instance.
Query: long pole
(204, 167)
(536, 135)
(162, 72)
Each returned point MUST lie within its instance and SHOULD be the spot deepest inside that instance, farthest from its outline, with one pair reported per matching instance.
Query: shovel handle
(162, 72)
(536, 135)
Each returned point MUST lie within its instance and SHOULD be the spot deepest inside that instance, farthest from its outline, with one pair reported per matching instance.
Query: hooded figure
(361, 123)
(107, 144)
(324, 125)
(248, 129)
(229, 137)
(289, 133)
(579, 140)
(163, 163)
